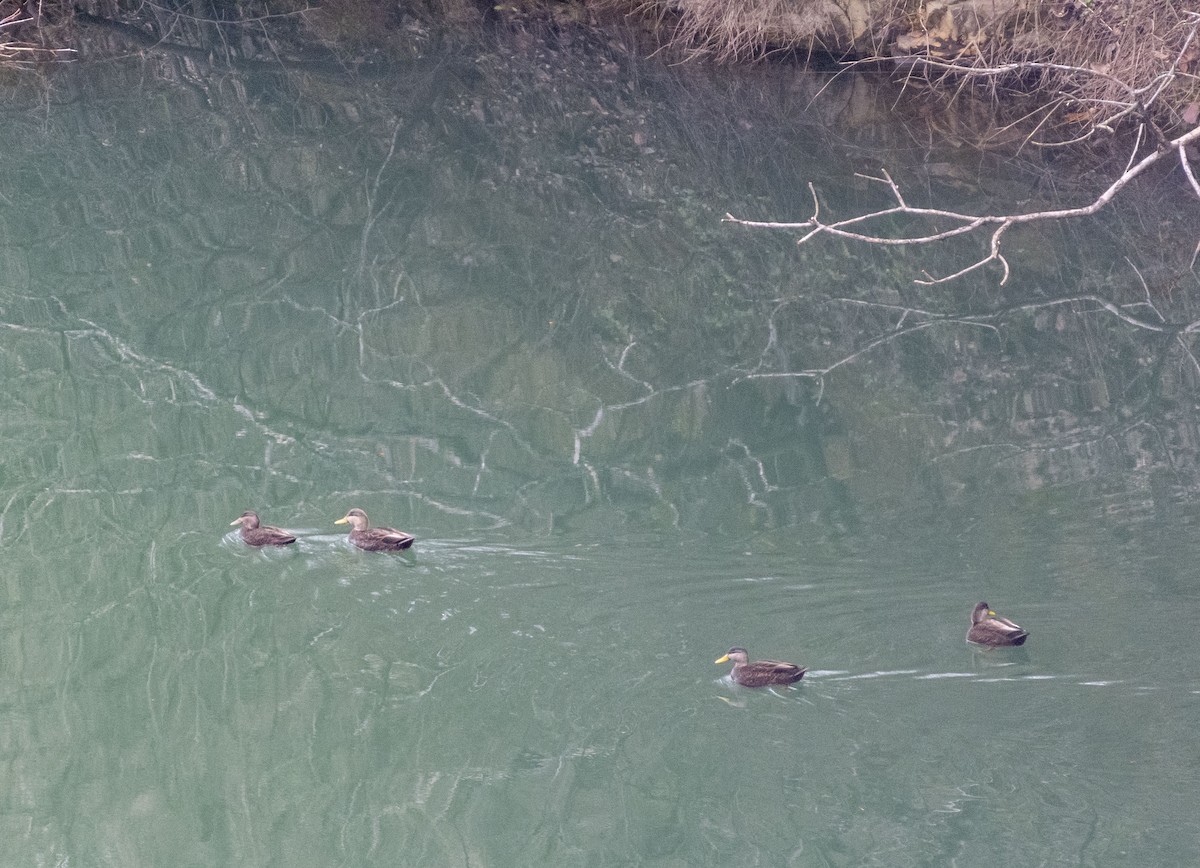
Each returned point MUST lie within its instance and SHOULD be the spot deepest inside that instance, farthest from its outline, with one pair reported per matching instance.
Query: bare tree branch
(967, 223)
(1187, 170)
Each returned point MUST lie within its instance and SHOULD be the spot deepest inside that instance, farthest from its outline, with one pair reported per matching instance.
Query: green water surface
(249, 293)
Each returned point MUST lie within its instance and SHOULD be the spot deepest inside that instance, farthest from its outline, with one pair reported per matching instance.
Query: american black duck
(375, 539)
(760, 673)
(256, 534)
(988, 628)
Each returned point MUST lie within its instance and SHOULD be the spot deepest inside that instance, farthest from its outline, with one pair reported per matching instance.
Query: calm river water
(507, 319)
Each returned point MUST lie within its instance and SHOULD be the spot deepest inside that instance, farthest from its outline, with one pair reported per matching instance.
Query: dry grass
(735, 31)
(1090, 67)
(1118, 52)
(29, 33)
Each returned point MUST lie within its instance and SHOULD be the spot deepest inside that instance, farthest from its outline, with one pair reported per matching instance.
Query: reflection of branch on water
(927, 319)
(652, 392)
(752, 495)
(819, 374)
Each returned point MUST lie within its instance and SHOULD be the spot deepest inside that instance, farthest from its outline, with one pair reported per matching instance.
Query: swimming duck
(988, 628)
(760, 673)
(375, 539)
(261, 535)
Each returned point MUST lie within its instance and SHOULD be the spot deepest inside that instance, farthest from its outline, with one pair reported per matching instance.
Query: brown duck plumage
(760, 673)
(374, 539)
(256, 534)
(988, 628)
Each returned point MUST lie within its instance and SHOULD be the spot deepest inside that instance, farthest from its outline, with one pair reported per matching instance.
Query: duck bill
(342, 520)
(724, 658)
(235, 521)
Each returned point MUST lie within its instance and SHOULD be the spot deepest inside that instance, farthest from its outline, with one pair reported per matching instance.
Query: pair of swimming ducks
(373, 539)
(987, 628)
